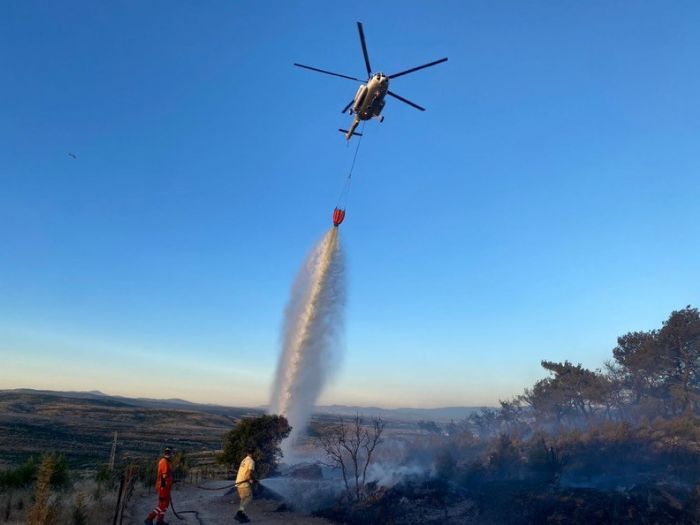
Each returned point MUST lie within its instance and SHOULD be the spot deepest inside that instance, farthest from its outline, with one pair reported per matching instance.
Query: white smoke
(311, 335)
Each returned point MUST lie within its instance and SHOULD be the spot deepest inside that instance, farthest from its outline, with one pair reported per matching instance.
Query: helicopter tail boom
(348, 134)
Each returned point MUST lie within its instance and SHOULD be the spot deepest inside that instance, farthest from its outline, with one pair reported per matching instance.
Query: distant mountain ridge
(440, 414)
(140, 402)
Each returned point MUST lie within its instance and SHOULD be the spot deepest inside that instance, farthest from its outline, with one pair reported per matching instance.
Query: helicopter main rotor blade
(327, 72)
(364, 49)
(348, 106)
(417, 68)
(405, 100)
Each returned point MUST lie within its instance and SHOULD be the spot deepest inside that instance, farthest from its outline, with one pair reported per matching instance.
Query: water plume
(305, 495)
(313, 323)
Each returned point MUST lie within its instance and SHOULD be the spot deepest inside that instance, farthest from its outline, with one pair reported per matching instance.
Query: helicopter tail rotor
(348, 133)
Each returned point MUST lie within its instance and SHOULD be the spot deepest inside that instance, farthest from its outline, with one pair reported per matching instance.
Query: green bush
(106, 477)
(20, 477)
(264, 434)
(60, 478)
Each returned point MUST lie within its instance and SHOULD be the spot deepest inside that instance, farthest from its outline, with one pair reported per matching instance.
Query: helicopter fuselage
(369, 99)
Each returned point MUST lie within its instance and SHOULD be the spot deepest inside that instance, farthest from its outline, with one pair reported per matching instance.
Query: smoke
(305, 495)
(313, 324)
(388, 475)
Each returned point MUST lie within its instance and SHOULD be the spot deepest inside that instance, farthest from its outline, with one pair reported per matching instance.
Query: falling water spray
(311, 334)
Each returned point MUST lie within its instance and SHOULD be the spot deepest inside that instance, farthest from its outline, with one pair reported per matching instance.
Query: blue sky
(545, 203)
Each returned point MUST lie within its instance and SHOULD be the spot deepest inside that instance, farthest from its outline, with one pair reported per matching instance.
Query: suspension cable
(345, 191)
(359, 142)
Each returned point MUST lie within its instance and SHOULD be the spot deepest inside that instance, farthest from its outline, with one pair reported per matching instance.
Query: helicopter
(369, 99)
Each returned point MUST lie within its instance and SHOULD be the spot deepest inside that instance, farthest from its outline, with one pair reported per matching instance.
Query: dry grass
(18, 507)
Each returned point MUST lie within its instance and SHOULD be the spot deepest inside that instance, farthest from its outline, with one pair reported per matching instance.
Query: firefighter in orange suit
(164, 481)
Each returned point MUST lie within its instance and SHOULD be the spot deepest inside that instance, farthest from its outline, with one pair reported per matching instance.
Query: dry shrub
(79, 512)
(46, 507)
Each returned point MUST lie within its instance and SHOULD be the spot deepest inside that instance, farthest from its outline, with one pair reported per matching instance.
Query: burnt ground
(516, 502)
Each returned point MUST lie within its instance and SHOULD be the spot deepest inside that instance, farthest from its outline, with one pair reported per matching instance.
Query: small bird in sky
(72, 156)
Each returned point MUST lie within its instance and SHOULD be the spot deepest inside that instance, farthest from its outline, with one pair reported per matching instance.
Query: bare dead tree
(349, 447)
(331, 440)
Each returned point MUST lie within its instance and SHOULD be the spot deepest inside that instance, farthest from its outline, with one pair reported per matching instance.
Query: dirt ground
(214, 508)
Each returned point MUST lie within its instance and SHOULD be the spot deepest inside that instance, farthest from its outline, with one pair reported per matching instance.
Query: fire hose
(225, 486)
(196, 513)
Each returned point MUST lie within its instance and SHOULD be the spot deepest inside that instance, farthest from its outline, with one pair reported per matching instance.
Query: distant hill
(81, 425)
(141, 402)
(440, 415)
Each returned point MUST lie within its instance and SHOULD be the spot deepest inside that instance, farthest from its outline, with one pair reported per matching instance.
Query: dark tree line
(652, 374)
(659, 371)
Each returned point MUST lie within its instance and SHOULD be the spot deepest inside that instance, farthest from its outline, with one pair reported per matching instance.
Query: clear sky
(545, 203)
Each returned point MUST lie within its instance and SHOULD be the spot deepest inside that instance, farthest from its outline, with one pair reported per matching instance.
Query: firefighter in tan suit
(244, 483)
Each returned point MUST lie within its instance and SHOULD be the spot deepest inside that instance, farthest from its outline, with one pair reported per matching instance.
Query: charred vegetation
(616, 445)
